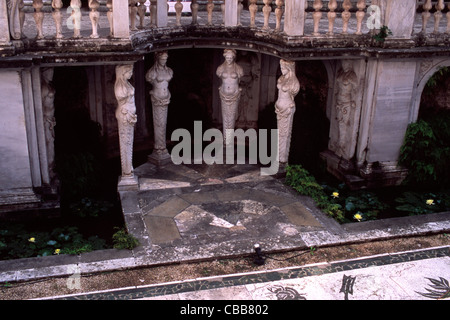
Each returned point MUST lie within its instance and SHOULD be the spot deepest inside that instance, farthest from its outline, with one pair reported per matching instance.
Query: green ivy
(426, 151)
(382, 35)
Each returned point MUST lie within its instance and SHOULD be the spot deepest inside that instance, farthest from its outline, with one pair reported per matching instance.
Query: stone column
(126, 119)
(18, 164)
(288, 87)
(386, 109)
(121, 19)
(159, 76)
(231, 13)
(294, 17)
(230, 93)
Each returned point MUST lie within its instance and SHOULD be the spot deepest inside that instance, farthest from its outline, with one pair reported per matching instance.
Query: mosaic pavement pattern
(415, 275)
(198, 205)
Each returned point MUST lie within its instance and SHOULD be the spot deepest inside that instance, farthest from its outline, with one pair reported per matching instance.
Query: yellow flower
(335, 194)
(357, 217)
(57, 251)
(32, 239)
(430, 202)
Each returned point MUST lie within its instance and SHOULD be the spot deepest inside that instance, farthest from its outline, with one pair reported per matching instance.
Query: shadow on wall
(311, 126)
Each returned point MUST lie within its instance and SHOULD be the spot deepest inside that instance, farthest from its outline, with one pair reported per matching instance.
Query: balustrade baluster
(266, 11)
(194, 11)
(132, 10)
(361, 5)
(178, 11)
(153, 4)
(278, 14)
(109, 15)
(21, 17)
(141, 13)
(426, 14)
(317, 15)
(209, 9)
(253, 8)
(438, 15)
(38, 17)
(222, 8)
(57, 17)
(76, 17)
(94, 15)
(240, 8)
(332, 5)
(347, 5)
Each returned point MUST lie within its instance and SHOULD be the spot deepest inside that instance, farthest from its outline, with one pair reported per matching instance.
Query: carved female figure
(345, 104)
(288, 87)
(230, 92)
(159, 76)
(48, 109)
(126, 117)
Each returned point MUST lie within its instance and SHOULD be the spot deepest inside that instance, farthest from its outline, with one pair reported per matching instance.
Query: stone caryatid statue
(346, 89)
(288, 87)
(230, 92)
(126, 120)
(48, 109)
(159, 76)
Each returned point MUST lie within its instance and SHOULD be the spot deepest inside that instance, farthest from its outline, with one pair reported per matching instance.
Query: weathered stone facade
(374, 84)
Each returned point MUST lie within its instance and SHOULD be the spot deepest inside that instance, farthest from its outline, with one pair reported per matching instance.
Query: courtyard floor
(196, 221)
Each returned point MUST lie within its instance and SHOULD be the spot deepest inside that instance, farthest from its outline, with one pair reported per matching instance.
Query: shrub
(426, 151)
(304, 183)
(123, 240)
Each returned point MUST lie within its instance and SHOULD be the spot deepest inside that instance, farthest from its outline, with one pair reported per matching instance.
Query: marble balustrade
(311, 18)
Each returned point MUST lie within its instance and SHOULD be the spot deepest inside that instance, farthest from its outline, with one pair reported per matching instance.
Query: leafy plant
(426, 151)
(415, 203)
(365, 204)
(437, 77)
(22, 243)
(123, 240)
(304, 183)
(382, 35)
(440, 289)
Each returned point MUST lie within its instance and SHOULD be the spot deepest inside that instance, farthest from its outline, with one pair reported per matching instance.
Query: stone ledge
(113, 259)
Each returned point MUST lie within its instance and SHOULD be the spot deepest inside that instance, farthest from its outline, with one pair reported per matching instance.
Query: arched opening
(310, 130)
(87, 177)
(426, 149)
(435, 96)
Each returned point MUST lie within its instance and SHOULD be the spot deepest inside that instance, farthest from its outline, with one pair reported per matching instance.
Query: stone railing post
(294, 17)
(399, 17)
(231, 13)
(121, 19)
(161, 13)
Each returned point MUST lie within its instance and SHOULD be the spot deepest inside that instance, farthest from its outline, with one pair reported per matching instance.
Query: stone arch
(425, 70)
